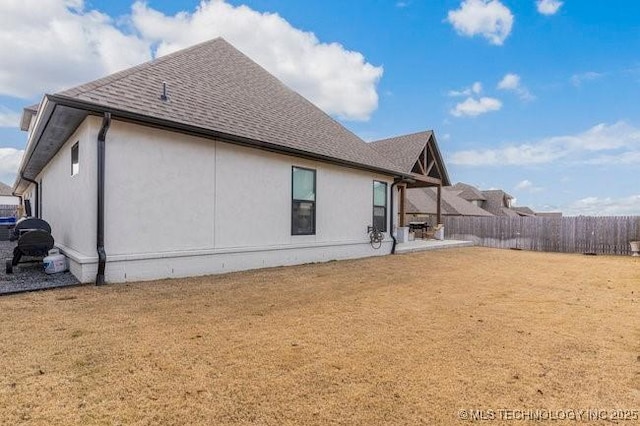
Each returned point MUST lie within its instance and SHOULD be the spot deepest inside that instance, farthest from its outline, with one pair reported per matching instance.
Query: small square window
(75, 163)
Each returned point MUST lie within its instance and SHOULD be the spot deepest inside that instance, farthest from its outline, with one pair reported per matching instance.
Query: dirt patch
(409, 339)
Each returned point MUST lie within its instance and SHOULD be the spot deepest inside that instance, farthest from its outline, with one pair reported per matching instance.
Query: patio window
(380, 206)
(75, 163)
(303, 201)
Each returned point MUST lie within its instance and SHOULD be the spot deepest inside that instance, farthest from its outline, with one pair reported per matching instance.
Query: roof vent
(164, 95)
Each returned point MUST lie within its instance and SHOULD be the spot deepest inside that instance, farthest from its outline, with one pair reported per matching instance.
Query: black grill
(34, 241)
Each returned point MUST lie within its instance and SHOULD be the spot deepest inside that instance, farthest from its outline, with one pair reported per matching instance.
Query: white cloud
(511, 155)
(48, 45)
(9, 162)
(578, 79)
(488, 18)
(473, 107)
(527, 185)
(607, 206)
(603, 137)
(511, 82)
(9, 118)
(616, 140)
(548, 7)
(475, 88)
(625, 158)
(337, 80)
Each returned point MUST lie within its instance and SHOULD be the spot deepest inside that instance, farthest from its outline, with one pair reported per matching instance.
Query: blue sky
(538, 98)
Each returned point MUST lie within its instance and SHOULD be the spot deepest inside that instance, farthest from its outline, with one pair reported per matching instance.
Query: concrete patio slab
(424, 245)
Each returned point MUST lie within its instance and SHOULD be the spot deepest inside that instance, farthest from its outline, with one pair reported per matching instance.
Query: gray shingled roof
(509, 212)
(524, 211)
(5, 189)
(214, 86)
(424, 201)
(404, 151)
(495, 203)
(468, 192)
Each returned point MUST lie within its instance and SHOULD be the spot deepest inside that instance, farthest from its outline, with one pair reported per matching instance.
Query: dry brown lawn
(409, 339)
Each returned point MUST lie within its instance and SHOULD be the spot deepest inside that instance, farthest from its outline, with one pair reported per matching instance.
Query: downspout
(393, 247)
(102, 255)
(391, 214)
(36, 207)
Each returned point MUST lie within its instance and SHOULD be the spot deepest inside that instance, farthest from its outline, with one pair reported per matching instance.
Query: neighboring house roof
(412, 208)
(5, 189)
(495, 193)
(214, 90)
(505, 211)
(425, 201)
(405, 151)
(462, 206)
(468, 192)
(524, 211)
(497, 203)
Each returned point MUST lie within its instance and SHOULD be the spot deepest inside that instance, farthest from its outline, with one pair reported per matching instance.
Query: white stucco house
(201, 162)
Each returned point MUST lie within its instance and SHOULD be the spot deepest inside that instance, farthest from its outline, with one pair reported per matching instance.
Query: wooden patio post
(402, 203)
(439, 207)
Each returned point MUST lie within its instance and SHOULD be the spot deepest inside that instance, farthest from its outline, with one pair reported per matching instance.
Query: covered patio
(419, 157)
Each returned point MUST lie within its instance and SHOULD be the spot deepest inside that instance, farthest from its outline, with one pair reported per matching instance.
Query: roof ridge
(403, 136)
(220, 89)
(128, 72)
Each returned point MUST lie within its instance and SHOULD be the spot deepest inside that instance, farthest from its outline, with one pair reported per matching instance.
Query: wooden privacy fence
(580, 234)
(8, 210)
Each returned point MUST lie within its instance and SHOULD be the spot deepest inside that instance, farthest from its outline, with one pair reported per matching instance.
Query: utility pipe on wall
(391, 214)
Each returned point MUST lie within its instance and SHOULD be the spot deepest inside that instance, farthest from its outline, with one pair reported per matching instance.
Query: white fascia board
(45, 110)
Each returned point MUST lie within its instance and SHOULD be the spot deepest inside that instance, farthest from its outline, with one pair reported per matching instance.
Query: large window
(380, 206)
(303, 201)
(75, 161)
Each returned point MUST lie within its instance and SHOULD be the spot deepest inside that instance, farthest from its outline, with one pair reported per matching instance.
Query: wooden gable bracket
(420, 165)
(433, 162)
(426, 162)
(422, 160)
